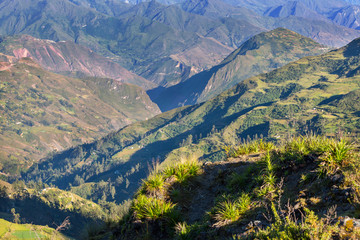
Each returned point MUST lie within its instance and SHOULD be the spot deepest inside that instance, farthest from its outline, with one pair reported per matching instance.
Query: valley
(186, 119)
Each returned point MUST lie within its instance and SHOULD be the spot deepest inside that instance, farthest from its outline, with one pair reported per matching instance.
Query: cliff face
(68, 57)
(43, 112)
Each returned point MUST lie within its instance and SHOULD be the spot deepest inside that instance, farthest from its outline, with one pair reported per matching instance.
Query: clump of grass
(300, 147)
(154, 183)
(237, 181)
(183, 231)
(227, 211)
(254, 146)
(243, 203)
(337, 156)
(268, 177)
(288, 227)
(184, 170)
(153, 208)
(230, 210)
(339, 152)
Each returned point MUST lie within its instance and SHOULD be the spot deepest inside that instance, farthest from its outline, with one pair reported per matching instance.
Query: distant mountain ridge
(159, 43)
(261, 53)
(42, 112)
(313, 94)
(68, 57)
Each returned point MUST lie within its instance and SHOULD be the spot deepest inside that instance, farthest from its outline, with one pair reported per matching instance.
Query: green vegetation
(10, 230)
(282, 196)
(43, 112)
(261, 53)
(152, 208)
(42, 205)
(255, 146)
(231, 210)
(276, 106)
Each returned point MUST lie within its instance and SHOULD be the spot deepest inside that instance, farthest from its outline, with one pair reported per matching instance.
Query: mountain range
(43, 112)
(69, 58)
(313, 94)
(261, 53)
(134, 119)
(163, 44)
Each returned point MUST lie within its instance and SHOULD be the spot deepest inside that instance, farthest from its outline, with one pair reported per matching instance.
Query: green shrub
(254, 146)
(227, 211)
(183, 231)
(154, 183)
(291, 229)
(183, 171)
(243, 203)
(337, 156)
(153, 208)
(339, 152)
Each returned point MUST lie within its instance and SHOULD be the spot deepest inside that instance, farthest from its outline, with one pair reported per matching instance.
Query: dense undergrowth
(306, 188)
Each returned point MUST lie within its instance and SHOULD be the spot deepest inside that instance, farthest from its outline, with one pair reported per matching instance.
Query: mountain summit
(261, 53)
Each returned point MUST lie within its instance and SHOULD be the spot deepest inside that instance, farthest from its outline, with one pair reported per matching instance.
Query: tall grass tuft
(153, 208)
(230, 210)
(154, 183)
(337, 156)
(183, 170)
(227, 211)
(254, 146)
(339, 151)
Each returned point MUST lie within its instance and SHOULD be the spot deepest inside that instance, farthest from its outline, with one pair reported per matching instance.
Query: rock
(337, 178)
(349, 223)
(356, 222)
(254, 224)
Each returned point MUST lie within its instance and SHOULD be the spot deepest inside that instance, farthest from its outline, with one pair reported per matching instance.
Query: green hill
(10, 230)
(305, 188)
(46, 206)
(297, 98)
(163, 44)
(66, 57)
(42, 112)
(136, 42)
(261, 53)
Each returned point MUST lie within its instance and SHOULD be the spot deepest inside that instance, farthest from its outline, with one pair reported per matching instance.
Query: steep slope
(293, 8)
(228, 31)
(137, 43)
(294, 99)
(112, 8)
(258, 192)
(216, 9)
(318, 6)
(262, 53)
(309, 18)
(68, 57)
(154, 46)
(49, 207)
(43, 112)
(347, 16)
(324, 32)
(10, 230)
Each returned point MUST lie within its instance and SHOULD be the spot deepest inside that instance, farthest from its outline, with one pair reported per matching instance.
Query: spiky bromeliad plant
(153, 208)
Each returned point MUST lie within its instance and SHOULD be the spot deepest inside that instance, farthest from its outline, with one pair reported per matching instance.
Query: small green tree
(16, 216)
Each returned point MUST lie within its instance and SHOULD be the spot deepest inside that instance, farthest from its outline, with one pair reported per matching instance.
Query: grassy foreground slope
(303, 189)
(43, 112)
(318, 94)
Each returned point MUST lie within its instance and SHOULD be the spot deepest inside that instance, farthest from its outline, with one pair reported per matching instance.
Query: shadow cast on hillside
(33, 210)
